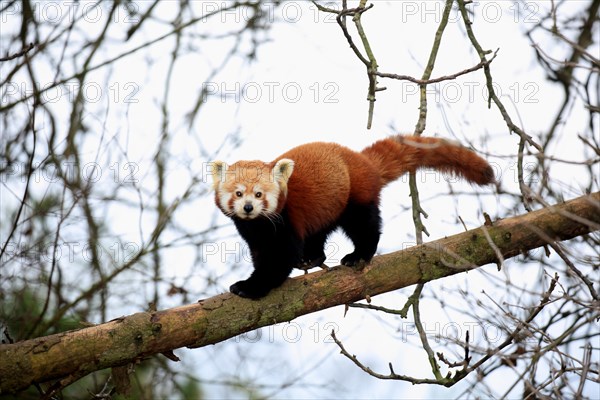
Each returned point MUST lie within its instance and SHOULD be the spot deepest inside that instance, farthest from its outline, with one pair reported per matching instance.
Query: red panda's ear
(282, 171)
(217, 170)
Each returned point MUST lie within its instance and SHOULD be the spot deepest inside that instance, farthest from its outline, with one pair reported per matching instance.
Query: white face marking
(248, 206)
(249, 189)
(271, 199)
(249, 202)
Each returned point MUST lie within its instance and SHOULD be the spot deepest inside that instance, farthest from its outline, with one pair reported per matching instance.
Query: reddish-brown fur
(327, 176)
(286, 209)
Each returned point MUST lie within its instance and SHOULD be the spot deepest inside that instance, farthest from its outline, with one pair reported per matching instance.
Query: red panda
(285, 209)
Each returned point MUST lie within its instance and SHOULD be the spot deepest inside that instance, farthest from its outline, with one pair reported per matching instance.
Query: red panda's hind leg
(314, 250)
(362, 224)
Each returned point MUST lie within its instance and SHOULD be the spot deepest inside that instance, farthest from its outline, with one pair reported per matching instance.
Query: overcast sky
(306, 85)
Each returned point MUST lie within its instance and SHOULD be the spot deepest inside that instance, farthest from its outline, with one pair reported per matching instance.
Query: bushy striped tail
(398, 155)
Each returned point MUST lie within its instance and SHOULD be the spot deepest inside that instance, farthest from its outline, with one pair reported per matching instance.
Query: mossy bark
(72, 354)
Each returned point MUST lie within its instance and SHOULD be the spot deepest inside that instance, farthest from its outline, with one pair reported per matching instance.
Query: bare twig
(442, 78)
(392, 375)
(489, 81)
(421, 123)
(30, 170)
(18, 54)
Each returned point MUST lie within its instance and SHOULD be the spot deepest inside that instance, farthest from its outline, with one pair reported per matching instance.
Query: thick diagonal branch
(218, 318)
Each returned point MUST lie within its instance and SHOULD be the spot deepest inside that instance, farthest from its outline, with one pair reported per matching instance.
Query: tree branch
(21, 53)
(138, 336)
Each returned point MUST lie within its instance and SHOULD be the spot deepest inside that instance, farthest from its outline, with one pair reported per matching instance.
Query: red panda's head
(249, 189)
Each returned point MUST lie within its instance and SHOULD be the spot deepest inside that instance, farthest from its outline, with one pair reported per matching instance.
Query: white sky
(307, 85)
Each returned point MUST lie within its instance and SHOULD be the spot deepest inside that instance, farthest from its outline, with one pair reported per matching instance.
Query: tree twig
(18, 54)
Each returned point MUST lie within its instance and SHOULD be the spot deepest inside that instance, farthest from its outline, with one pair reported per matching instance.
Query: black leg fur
(275, 251)
(314, 254)
(267, 275)
(362, 224)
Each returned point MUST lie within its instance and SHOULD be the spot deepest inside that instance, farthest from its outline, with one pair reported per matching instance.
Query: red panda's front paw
(305, 265)
(247, 290)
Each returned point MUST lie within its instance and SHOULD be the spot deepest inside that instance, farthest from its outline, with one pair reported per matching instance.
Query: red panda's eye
(238, 193)
(258, 195)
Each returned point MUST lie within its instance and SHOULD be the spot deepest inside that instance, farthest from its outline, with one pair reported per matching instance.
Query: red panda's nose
(248, 208)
